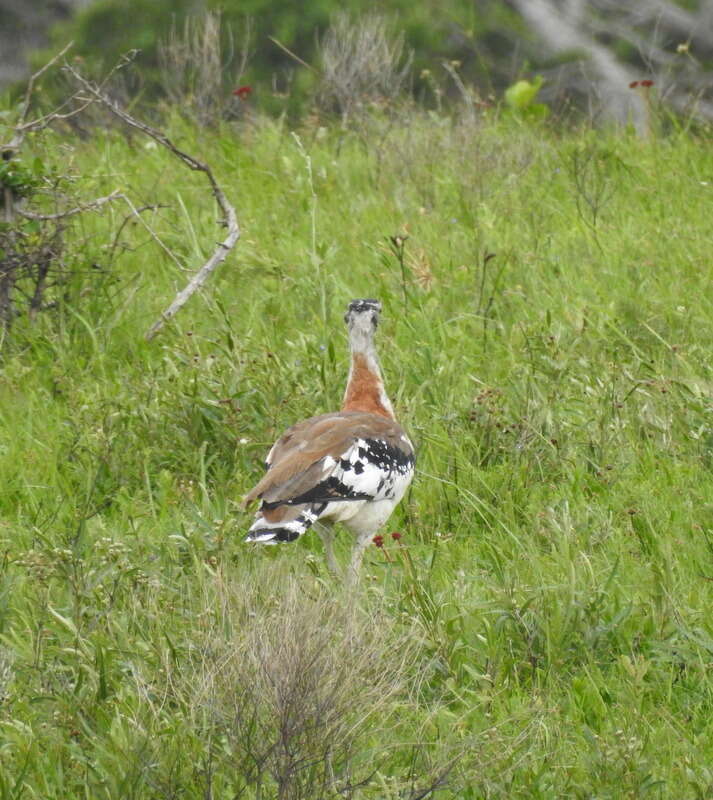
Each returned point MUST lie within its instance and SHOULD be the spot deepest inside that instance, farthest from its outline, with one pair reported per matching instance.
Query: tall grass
(542, 628)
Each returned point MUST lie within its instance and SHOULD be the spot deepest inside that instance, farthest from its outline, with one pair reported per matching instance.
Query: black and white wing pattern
(350, 467)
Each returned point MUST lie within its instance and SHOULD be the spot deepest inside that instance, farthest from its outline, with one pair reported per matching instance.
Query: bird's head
(362, 316)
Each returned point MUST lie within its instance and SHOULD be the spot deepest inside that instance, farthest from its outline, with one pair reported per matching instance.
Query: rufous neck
(365, 386)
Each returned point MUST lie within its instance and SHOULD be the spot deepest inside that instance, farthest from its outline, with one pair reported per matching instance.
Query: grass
(543, 628)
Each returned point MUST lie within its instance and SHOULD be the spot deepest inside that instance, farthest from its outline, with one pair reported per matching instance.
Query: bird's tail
(284, 523)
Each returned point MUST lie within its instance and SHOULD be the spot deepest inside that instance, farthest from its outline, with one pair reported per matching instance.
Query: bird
(351, 467)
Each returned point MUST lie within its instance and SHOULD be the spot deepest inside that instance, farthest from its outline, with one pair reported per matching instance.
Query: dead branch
(135, 212)
(291, 54)
(22, 127)
(151, 232)
(92, 205)
(43, 122)
(229, 220)
(95, 205)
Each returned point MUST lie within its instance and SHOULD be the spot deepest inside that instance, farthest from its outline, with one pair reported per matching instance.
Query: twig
(230, 220)
(92, 205)
(152, 233)
(135, 212)
(36, 76)
(22, 127)
(42, 122)
(291, 54)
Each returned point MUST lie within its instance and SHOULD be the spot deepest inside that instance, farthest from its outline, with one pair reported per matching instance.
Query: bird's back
(348, 466)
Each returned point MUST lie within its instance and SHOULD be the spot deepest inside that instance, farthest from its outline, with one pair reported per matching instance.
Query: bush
(362, 63)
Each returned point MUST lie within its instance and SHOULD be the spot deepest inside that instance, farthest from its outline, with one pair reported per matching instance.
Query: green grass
(544, 631)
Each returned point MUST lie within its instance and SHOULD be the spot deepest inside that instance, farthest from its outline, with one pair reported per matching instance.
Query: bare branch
(136, 212)
(291, 54)
(92, 205)
(22, 128)
(37, 75)
(229, 220)
(152, 233)
(42, 122)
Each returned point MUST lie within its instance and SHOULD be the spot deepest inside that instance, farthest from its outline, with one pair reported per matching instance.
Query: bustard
(352, 466)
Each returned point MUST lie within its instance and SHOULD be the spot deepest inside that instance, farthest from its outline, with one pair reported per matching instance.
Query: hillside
(542, 629)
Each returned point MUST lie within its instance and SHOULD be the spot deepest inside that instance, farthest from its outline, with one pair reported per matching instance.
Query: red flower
(378, 540)
(396, 536)
(632, 85)
(647, 84)
(242, 92)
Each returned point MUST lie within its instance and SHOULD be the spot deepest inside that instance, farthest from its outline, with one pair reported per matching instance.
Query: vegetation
(587, 53)
(541, 629)
(279, 31)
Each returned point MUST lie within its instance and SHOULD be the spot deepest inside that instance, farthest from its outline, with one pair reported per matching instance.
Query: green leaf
(521, 95)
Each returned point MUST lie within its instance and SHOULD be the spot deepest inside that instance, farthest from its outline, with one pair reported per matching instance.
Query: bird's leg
(326, 534)
(362, 542)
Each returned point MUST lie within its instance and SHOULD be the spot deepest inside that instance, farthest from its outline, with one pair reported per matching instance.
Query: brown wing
(304, 456)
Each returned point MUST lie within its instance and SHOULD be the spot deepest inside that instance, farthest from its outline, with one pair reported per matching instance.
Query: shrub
(363, 63)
